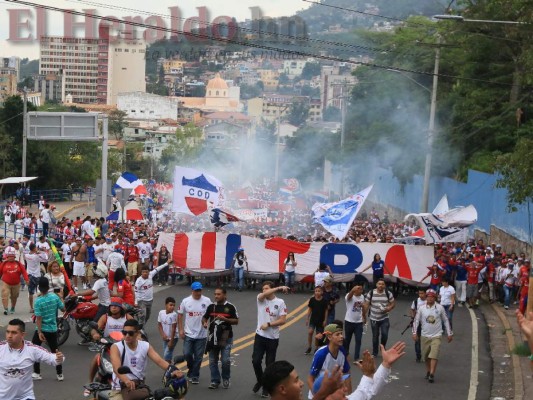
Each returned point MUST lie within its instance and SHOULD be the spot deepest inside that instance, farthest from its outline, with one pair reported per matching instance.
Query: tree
(516, 171)
(310, 70)
(298, 113)
(116, 123)
(332, 114)
(249, 91)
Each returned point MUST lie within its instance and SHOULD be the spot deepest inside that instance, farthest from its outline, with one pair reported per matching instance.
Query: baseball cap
(328, 279)
(332, 328)
(196, 286)
(431, 292)
(320, 378)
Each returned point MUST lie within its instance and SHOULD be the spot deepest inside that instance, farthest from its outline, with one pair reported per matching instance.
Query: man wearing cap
(46, 308)
(10, 273)
(192, 331)
(238, 263)
(271, 314)
(327, 357)
(431, 317)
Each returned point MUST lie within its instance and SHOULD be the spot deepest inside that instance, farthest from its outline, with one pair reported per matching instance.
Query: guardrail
(53, 195)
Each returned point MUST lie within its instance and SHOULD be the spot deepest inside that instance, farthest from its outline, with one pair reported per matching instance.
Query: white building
(139, 105)
(294, 68)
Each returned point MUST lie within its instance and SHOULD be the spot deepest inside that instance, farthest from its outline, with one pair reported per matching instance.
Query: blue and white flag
(130, 181)
(221, 218)
(337, 218)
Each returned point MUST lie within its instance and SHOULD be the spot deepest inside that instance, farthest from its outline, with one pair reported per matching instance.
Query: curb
(64, 212)
(518, 383)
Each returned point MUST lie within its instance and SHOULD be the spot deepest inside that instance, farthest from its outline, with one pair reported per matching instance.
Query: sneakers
(160, 284)
(264, 394)
(12, 310)
(256, 387)
(308, 351)
(5, 312)
(225, 384)
(431, 378)
(214, 385)
(195, 381)
(427, 375)
(60, 377)
(506, 307)
(36, 377)
(86, 393)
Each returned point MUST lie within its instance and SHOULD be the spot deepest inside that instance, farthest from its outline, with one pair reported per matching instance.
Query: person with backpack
(378, 303)
(415, 305)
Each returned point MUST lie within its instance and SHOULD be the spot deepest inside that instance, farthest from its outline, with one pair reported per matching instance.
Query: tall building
(95, 70)
(8, 83)
(335, 83)
(51, 87)
(11, 62)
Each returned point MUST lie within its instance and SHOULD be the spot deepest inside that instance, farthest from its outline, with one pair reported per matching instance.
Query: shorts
(430, 347)
(318, 328)
(10, 291)
(89, 270)
(79, 268)
(471, 291)
(115, 395)
(33, 284)
(132, 268)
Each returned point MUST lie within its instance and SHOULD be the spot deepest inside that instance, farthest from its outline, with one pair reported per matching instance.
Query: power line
(9, 119)
(251, 44)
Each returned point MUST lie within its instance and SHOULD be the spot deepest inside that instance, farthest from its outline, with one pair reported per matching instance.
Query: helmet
(10, 252)
(100, 270)
(116, 301)
(177, 385)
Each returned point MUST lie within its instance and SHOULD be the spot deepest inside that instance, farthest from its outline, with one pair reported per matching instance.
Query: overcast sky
(233, 8)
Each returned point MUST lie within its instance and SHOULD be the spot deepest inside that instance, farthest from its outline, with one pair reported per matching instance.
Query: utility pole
(431, 130)
(24, 131)
(343, 133)
(276, 170)
(105, 138)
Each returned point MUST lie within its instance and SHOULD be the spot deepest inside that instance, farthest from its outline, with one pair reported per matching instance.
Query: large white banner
(195, 191)
(214, 251)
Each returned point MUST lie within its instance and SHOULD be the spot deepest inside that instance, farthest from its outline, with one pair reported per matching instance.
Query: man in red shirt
(11, 271)
(523, 279)
(132, 260)
(472, 269)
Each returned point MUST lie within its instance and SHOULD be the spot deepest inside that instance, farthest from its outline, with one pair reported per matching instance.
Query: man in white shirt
(447, 299)
(66, 253)
(432, 317)
(46, 218)
(192, 331)
(17, 357)
(145, 249)
(271, 314)
(144, 291)
(355, 319)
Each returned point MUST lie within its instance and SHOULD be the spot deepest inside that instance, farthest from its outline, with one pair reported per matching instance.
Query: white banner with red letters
(214, 251)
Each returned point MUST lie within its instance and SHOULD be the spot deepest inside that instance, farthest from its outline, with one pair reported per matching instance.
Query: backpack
(387, 293)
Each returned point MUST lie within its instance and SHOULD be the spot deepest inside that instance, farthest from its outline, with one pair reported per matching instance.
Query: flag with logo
(195, 191)
(130, 181)
(221, 218)
(337, 218)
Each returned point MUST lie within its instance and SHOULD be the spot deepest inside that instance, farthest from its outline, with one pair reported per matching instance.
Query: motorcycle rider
(100, 291)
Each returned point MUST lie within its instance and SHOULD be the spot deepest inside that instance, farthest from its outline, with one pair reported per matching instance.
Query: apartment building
(8, 83)
(51, 87)
(95, 70)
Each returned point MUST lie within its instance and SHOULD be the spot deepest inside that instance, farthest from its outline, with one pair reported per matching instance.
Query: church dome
(217, 83)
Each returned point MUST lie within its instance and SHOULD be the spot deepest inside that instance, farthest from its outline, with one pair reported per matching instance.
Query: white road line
(472, 391)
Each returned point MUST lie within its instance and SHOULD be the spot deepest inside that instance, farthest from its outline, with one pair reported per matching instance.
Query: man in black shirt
(218, 318)
(317, 312)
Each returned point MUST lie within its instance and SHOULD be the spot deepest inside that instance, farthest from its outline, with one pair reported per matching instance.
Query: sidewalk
(511, 374)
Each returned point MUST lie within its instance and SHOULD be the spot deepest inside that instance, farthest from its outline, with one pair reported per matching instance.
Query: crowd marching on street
(116, 265)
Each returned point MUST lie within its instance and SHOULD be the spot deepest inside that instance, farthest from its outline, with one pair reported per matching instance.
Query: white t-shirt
(45, 216)
(144, 251)
(135, 359)
(144, 288)
(114, 325)
(289, 266)
(269, 311)
(16, 367)
(166, 321)
(97, 251)
(33, 263)
(354, 309)
(446, 294)
(193, 311)
(102, 290)
(67, 252)
(43, 246)
(319, 277)
(115, 261)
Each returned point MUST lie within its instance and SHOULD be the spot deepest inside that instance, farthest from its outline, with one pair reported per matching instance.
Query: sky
(55, 26)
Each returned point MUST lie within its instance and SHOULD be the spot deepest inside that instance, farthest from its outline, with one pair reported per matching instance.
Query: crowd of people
(116, 264)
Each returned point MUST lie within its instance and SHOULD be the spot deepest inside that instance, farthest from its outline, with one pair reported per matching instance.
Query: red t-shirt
(11, 272)
(523, 276)
(133, 254)
(472, 273)
(125, 287)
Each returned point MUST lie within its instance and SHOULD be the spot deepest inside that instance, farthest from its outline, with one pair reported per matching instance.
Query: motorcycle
(80, 310)
(83, 312)
(104, 373)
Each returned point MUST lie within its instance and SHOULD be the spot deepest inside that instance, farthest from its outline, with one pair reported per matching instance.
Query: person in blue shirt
(378, 267)
(460, 283)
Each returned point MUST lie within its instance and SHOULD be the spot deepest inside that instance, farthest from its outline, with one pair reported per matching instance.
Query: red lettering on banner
(284, 247)
(397, 259)
(179, 250)
(209, 241)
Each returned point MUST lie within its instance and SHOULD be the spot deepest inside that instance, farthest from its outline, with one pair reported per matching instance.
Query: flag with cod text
(195, 191)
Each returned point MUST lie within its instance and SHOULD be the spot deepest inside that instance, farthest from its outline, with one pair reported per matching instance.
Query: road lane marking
(472, 390)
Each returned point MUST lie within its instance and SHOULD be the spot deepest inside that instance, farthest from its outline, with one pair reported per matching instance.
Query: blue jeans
(193, 350)
(449, 314)
(290, 278)
(377, 328)
(353, 329)
(239, 277)
(169, 351)
(331, 317)
(507, 292)
(224, 354)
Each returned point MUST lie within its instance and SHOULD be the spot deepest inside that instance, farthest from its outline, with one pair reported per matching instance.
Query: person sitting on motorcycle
(123, 287)
(113, 321)
(100, 291)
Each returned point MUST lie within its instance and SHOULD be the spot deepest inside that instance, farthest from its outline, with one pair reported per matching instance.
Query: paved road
(452, 379)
